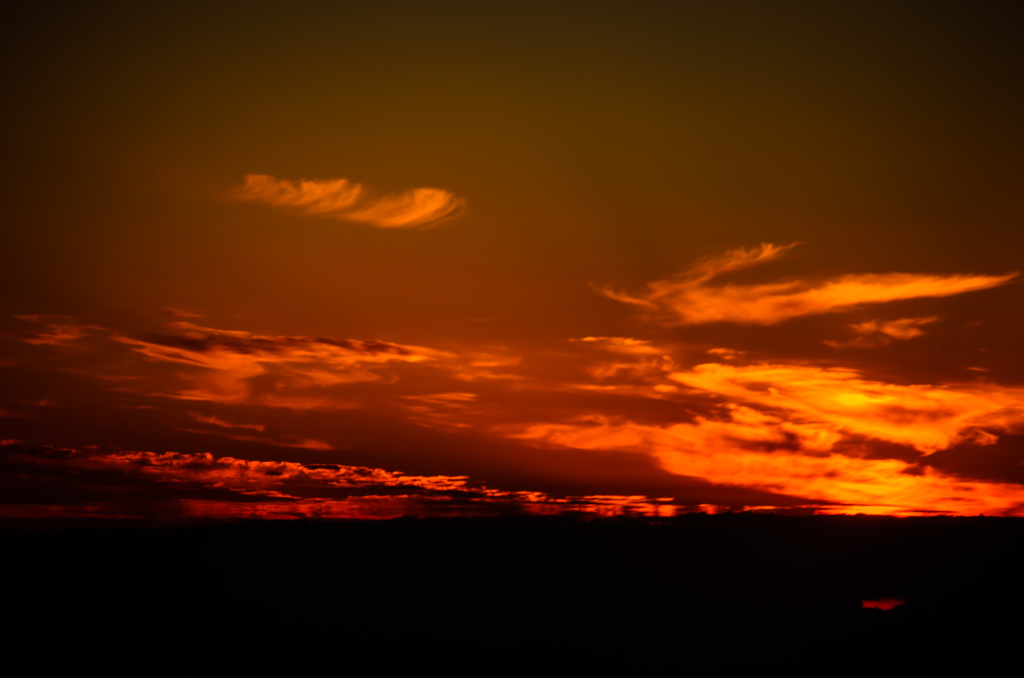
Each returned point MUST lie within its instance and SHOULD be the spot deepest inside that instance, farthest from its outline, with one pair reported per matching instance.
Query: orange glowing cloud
(626, 345)
(233, 358)
(648, 359)
(752, 449)
(828, 435)
(296, 372)
(348, 201)
(690, 298)
(808, 432)
(882, 332)
(925, 417)
(904, 328)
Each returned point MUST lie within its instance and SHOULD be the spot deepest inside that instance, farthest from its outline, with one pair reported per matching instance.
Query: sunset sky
(461, 258)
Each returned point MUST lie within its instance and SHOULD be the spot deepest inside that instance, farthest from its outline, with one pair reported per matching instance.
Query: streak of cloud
(649, 360)
(217, 421)
(177, 313)
(904, 328)
(348, 201)
(245, 368)
(690, 299)
(412, 208)
(626, 345)
(56, 330)
(232, 433)
(282, 441)
(172, 485)
(233, 358)
(441, 411)
(875, 333)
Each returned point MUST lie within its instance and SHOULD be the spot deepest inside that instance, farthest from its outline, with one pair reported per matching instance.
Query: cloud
(690, 299)
(217, 421)
(881, 332)
(726, 353)
(348, 201)
(315, 197)
(903, 329)
(233, 359)
(440, 411)
(626, 345)
(412, 208)
(839, 401)
(456, 400)
(824, 434)
(58, 330)
(649, 359)
(177, 313)
(753, 449)
(280, 440)
(294, 372)
(48, 481)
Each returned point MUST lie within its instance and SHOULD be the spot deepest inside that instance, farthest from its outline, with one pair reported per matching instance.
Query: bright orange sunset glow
(457, 261)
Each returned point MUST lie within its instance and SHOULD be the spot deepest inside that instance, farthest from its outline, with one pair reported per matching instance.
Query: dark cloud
(40, 481)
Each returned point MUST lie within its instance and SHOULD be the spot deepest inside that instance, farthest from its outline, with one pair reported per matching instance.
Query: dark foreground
(696, 593)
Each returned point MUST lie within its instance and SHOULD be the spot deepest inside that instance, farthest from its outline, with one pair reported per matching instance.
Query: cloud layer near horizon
(349, 201)
(40, 482)
(690, 298)
(747, 427)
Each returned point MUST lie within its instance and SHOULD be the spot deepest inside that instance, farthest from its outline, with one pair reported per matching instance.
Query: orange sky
(447, 258)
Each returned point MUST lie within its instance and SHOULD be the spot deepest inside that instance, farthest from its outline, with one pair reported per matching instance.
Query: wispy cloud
(233, 358)
(276, 441)
(217, 421)
(246, 368)
(642, 358)
(349, 201)
(626, 345)
(691, 298)
(57, 330)
(883, 332)
(903, 328)
(442, 411)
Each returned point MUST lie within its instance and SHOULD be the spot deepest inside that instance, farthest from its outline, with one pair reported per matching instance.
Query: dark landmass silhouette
(695, 592)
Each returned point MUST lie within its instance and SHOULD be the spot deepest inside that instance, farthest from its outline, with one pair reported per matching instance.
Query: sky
(353, 259)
